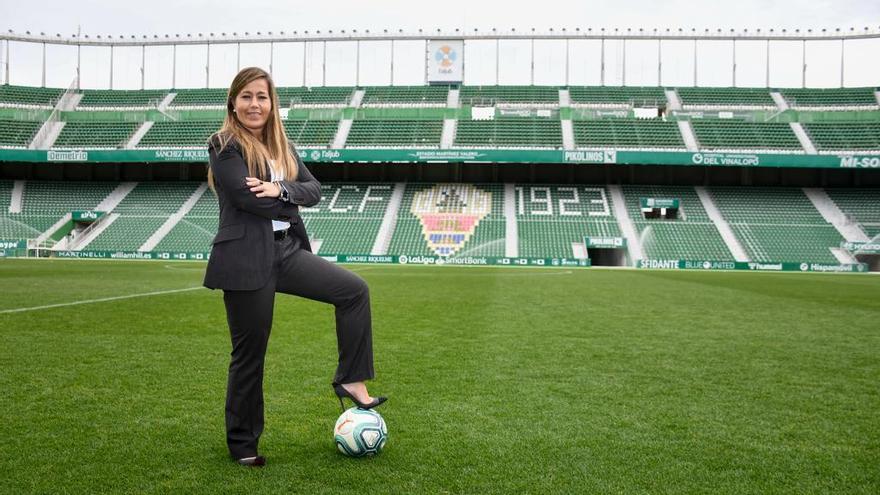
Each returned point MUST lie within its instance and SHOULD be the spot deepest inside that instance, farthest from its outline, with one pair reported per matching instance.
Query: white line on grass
(103, 299)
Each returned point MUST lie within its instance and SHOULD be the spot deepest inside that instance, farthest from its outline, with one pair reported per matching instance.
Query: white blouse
(276, 224)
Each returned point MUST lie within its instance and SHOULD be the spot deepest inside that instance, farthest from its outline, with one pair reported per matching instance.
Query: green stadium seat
(861, 205)
(845, 136)
(185, 133)
(405, 96)
(95, 134)
(509, 95)
(628, 96)
(45, 202)
(200, 97)
(627, 133)
(830, 98)
(347, 219)
(776, 224)
(509, 133)
(398, 132)
(315, 96)
(121, 99)
(725, 98)
(730, 134)
(17, 133)
(550, 218)
(311, 132)
(450, 219)
(692, 236)
(141, 213)
(196, 230)
(27, 97)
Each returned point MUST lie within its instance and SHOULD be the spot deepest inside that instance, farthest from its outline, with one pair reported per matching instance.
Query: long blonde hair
(256, 152)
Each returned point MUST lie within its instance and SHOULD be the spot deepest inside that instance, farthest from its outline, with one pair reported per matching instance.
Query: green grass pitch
(500, 381)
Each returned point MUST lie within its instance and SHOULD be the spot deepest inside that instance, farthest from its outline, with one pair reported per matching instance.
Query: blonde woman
(262, 248)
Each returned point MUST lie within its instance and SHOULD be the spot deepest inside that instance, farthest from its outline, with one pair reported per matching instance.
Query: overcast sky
(714, 60)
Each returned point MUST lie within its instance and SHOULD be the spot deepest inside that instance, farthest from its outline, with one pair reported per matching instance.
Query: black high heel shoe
(342, 392)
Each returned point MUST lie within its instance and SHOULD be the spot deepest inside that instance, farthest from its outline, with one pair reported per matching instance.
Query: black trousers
(249, 313)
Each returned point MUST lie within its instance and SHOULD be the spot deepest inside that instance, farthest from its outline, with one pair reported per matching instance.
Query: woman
(261, 247)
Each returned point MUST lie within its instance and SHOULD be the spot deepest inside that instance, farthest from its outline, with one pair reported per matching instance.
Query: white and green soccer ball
(360, 432)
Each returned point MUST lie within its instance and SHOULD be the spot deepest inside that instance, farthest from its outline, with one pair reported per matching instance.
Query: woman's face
(252, 105)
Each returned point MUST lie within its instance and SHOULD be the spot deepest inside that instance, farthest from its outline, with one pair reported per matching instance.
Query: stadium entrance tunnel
(607, 256)
(872, 260)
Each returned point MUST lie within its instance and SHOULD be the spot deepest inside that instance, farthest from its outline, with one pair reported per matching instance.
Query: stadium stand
(602, 96)
(447, 219)
(96, 135)
(348, 218)
(551, 218)
(777, 224)
(830, 98)
(201, 97)
(190, 134)
(725, 98)
(729, 134)
(45, 202)
(861, 205)
(627, 133)
(691, 236)
(195, 231)
(318, 96)
(397, 133)
(509, 95)
(772, 224)
(426, 96)
(509, 133)
(122, 99)
(141, 213)
(311, 132)
(17, 133)
(845, 136)
(26, 96)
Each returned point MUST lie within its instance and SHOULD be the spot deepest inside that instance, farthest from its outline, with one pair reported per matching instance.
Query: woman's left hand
(263, 189)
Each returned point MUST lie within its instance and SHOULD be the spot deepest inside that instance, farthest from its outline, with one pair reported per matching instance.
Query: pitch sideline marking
(103, 299)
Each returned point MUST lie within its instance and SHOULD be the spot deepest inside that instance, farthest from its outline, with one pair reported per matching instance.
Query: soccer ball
(360, 432)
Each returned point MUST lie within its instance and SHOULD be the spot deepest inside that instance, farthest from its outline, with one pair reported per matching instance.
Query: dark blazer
(243, 249)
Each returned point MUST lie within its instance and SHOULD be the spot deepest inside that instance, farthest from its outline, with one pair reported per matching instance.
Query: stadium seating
(627, 133)
(550, 218)
(45, 202)
(111, 98)
(830, 98)
(617, 96)
(26, 96)
(430, 96)
(316, 96)
(347, 219)
(446, 219)
(195, 231)
(777, 224)
(142, 212)
(861, 206)
(17, 133)
(190, 133)
(845, 136)
(725, 97)
(201, 97)
(509, 95)
(95, 134)
(311, 132)
(509, 133)
(731, 134)
(287, 97)
(692, 236)
(398, 132)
